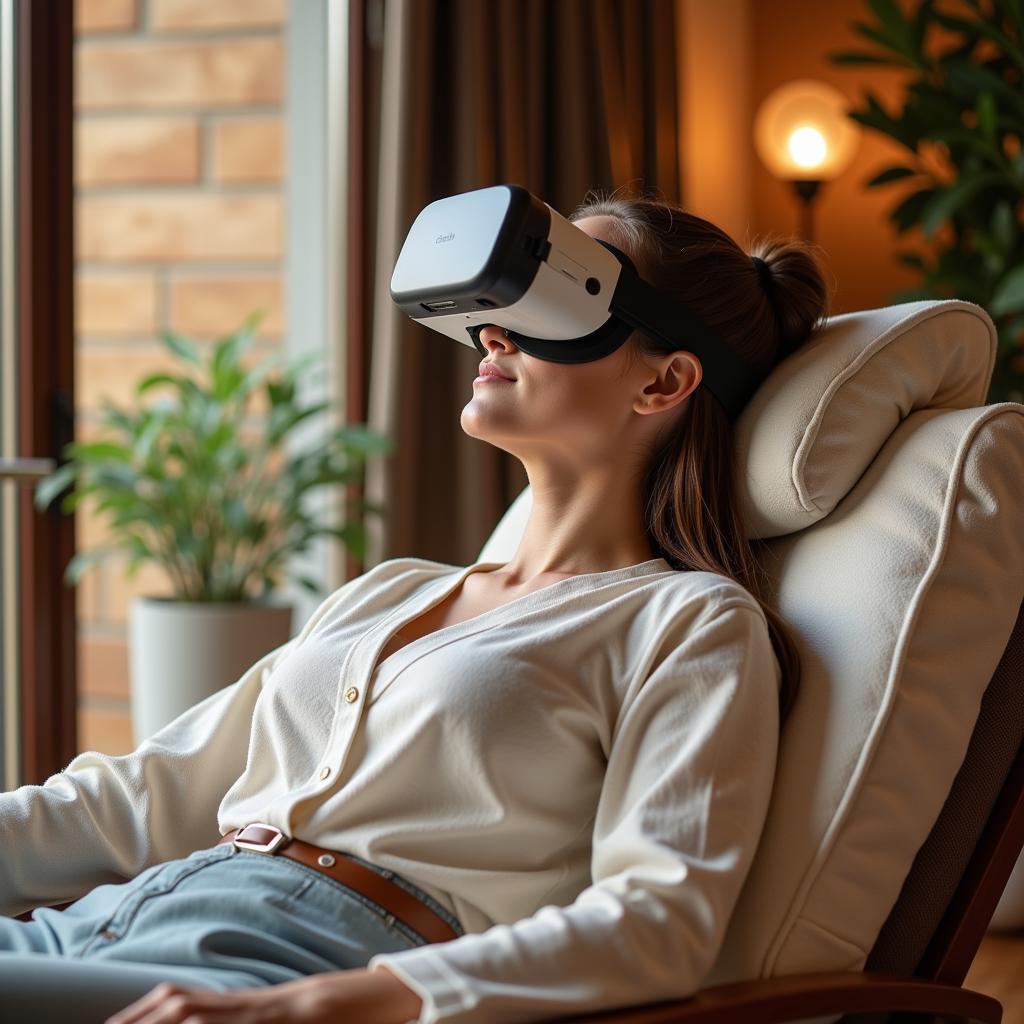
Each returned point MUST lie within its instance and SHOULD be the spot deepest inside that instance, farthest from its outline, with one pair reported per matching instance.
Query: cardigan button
(351, 695)
(324, 772)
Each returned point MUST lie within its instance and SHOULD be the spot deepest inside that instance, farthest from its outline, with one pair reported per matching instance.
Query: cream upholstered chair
(893, 503)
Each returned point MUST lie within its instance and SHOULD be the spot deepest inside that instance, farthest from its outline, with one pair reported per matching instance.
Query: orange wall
(732, 54)
(791, 38)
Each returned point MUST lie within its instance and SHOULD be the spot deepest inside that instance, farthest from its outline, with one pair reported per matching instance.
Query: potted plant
(184, 489)
(962, 124)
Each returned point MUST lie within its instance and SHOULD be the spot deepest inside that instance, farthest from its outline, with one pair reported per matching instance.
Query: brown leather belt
(262, 838)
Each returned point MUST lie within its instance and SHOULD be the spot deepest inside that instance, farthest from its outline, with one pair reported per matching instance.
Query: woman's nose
(492, 332)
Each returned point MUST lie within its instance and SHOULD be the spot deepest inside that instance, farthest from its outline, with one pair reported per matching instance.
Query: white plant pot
(180, 652)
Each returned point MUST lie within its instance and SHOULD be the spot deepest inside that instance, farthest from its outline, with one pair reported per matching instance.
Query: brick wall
(178, 223)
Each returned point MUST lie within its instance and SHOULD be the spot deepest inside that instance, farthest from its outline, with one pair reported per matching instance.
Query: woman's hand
(371, 997)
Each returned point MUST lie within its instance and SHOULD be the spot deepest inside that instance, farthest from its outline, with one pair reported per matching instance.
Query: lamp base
(806, 189)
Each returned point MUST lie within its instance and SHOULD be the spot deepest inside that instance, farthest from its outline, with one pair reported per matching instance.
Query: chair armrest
(798, 996)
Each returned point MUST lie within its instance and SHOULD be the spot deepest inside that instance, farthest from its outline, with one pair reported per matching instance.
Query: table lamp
(803, 136)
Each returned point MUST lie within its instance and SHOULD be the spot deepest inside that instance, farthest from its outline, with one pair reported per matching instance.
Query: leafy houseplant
(962, 123)
(184, 489)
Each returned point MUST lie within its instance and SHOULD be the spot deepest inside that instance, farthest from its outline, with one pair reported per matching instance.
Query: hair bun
(793, 274)
(764, 270)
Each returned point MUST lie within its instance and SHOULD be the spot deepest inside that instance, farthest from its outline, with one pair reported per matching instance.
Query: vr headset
(500, 255)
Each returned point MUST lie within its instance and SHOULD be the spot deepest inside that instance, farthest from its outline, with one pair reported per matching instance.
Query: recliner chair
(892, 501)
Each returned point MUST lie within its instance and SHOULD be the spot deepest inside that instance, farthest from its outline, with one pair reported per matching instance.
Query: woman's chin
(479, 421)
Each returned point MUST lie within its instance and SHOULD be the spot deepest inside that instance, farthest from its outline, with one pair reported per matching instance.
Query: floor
(998, 971)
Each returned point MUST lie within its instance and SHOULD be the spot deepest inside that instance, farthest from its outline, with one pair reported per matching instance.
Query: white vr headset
(500, 255)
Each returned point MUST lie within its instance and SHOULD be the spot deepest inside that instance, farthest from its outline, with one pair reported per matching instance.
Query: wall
(715, 52)
(733, 53)
(791, 38)
(179, 224)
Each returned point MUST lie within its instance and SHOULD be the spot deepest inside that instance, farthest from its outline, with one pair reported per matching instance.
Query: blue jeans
(220, 919)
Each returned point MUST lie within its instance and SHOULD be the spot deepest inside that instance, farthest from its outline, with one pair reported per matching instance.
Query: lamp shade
(802, 132)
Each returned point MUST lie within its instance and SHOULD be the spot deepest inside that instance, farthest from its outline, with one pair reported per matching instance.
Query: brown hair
(691, 514)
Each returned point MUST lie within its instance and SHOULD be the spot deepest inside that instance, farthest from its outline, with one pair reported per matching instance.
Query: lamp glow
(802, 132)
(807, 147)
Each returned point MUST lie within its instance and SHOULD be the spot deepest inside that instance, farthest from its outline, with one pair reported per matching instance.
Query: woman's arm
(680, 814)
(104, 818)
(369, 997)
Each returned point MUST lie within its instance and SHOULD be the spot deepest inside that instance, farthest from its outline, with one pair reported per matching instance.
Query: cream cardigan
(580, 775)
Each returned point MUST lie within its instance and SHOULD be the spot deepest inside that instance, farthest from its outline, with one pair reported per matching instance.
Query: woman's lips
(487, 378)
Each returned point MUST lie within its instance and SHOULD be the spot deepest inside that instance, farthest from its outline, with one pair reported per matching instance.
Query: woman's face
(577, 413)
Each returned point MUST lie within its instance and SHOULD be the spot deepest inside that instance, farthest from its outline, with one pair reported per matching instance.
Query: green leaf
(984, 27)
(357, 437)
(236, 515)
(71, 502)
(947, 201)
(227, 383)
(853, 58)
(922, 19)
(280, 392)
(293, 418)
(152, 380)
(965, 80)
(258, 372)
(96, 451)
(1014, 10)
(986, 110)
(889, 14)
(1009, 296)
(226, 371)
(148, 436)
(181, 346)
(114, 478)
(82, 561)
(111, 416)
(218, 440)
(117, 502)
(906, 213)
(896, 32)
(878, 36)
(49, 487)
(876, 116)
(1004, 230)
(911, 259)
(894, 173)
(958, 135)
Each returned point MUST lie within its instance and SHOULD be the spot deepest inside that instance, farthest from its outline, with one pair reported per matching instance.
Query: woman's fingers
(168, 1003)
(293, 1002)
(138, 1010)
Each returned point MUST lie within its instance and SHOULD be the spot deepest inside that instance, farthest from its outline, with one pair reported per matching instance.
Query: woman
(575, 788)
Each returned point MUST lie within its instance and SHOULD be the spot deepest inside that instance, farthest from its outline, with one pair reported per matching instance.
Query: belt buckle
(271, 847)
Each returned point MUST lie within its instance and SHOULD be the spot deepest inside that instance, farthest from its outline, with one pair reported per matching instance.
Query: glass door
(13, 471)
(36, 619)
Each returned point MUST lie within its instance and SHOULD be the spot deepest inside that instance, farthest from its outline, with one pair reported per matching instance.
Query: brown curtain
(560, 96)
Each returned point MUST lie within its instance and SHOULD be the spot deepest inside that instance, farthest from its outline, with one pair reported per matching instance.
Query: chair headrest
(822, 415)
